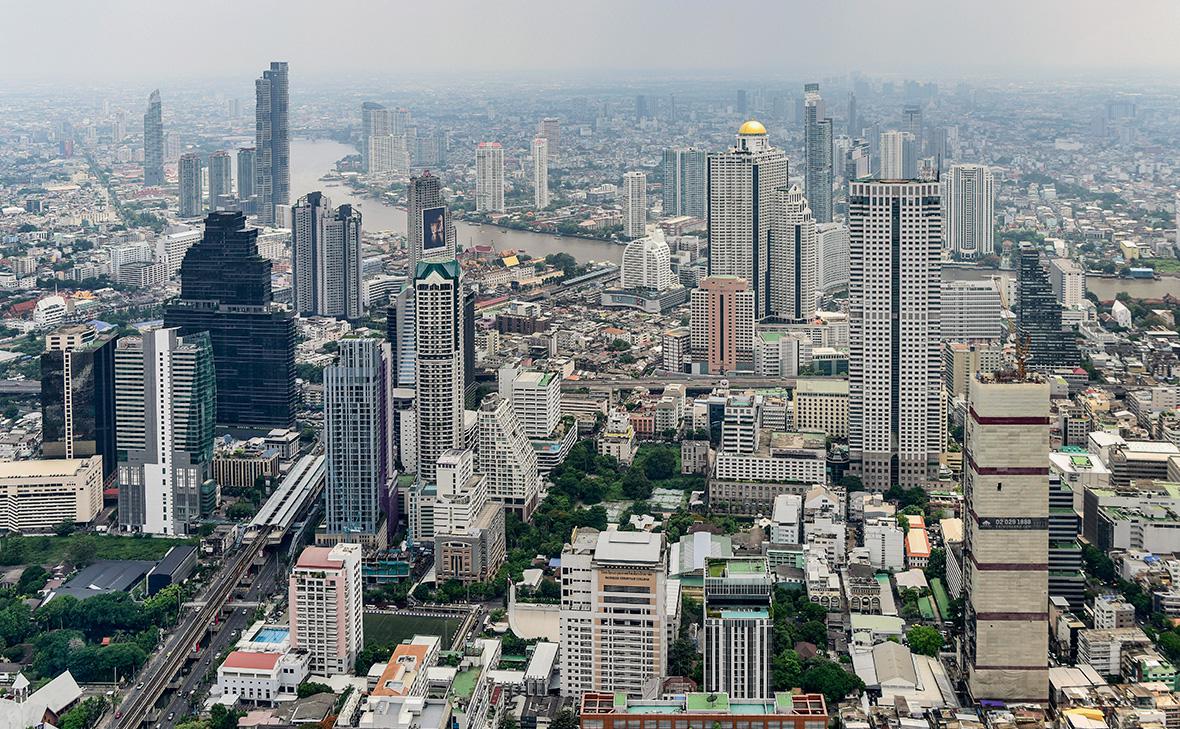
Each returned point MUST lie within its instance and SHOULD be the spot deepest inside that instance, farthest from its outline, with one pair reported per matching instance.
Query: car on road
(171, 715)
(139, 685)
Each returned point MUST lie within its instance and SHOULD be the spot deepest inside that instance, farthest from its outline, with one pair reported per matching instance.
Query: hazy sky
(157, 40)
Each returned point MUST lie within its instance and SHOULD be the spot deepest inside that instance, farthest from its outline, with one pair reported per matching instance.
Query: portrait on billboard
(434, 228)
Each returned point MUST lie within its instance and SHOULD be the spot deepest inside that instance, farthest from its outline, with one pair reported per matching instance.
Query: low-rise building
(713, 710)
(37, 496)
(821, 404)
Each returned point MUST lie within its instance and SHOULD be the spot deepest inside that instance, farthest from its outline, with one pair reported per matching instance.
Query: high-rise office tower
(540, 173)
(489, 177)
(78, 395)
(153, 143)
(536, 399)
(741, 194)
(225, 290)
(358, 442)
(603, 648)
(469, 542)
(1006, 539)
(741, 102)
(246, 178)
(722, 321)
(793, 260)
(399, 332)
(911, 121)
(853, 122)
(376, 121)
(858, 160)
(506, 457)
(430, 236)
(684, 181)
(438, 325)
(189, 175)
(165, 399)
(272, 169)
(326, 258)
(969, 200)
(1038, 315)
(817, 174)
(1067, 577)
(899, 161)
(221, 179)
(641, 110)
(549, 129)
(325, 594)
(634, 204)
(894, 369)
(737, 627)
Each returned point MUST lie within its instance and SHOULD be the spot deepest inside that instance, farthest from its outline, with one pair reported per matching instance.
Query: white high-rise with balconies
(792, 257)
(969, 200)
(540, 173)
(634, 204)
(506, 457)
(647, 264)
(832, 255)
(897, 150)
(742, 192)
(489, 177)
(894, 368)
(325, 594)
(536, 399)
(438, 338)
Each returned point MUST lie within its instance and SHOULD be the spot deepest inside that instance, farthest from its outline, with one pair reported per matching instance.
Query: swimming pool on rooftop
(270, 635)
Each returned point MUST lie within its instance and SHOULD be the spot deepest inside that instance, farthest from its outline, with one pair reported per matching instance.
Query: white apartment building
(969, 202)
(506, 457)
(614, 612)
(489, 177)
(536, 400)
(897, 149)
(971, 310)
(781, 458)
(1068, 279)
(831, 256)
(792, 257)
(325, 597)
(468, 527)
(171, 247)
(647, 264)
(885, 542)
(634, 204)
(786, 521)
(540, 173)
(895, 368)
(36, 496)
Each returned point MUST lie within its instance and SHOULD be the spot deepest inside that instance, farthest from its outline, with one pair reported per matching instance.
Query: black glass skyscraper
(153, 143)
(272, 163)
(225, 290)
(78, 396)
(1038, 316)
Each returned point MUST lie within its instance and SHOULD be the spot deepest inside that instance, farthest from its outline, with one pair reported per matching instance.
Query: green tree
(830, 679)
(636, 485)
(565, 720)
(924, 640)
(660, 465)
(223, 718)
(785, 670)
(936, 566)
(682, 656)
(814, 631)
(311, 688)
(32, 580)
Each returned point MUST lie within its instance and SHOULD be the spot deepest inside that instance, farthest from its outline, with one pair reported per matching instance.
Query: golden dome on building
(752, 127)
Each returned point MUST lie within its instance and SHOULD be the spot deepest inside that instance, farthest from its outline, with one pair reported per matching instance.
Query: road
(162, 667)
(179, 702)
(700, 382)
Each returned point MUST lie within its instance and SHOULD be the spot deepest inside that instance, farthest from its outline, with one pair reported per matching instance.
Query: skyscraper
(831, 256)
(894, 412)
(793, 259)
(358, 440)
(684, 181)
(272, 169)
(78, 395)
(438, 314)
(153, 143)
(741, 193)
(549, 129)
(853, 121)
(540, 173)
(376, 121)
(911, 121)
(225, 290)
(489, 177)
(737, 627)
(506, 457)
(246, 178)
(969, 199)
(325, 593)
(634, 204)
(817, 178)
(722, 321)
(1006, 539)
(647, 264)
(165, 398)
(326, 258)
(424, 197)
(189, 174)
(220, 179)
(898, 159)
(1038, 315)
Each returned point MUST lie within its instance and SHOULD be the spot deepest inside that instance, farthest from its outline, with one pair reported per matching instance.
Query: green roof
(926, 608)
(744, 614)
(464, 683)
(700, 702)
(940, 597)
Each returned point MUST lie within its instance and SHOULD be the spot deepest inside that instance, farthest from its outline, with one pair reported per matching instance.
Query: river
(311, 158)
